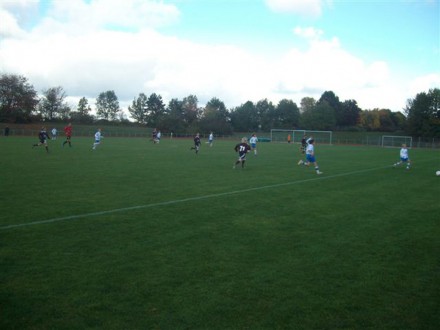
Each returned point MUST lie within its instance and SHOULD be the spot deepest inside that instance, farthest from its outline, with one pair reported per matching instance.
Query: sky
(379, 53)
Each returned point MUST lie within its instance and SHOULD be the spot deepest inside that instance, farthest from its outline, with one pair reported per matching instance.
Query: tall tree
(307, 103)
(138, 109)
(287, 114)
(423, 114)
(386, 121)
(333, 102)
(191, 111)
(399, 120)
(349, 114)
(107, 106)
(155, 109)
(244, 118)
(370, 120)
(52, 104)
(215, 118)
(321, 117)
(331, 99)
(84, 107)
(266, 114)
(173, 120)
(18, 98)
(83, 112)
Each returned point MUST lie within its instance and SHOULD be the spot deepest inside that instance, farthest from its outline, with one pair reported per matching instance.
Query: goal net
(281, 135)
(392, 141)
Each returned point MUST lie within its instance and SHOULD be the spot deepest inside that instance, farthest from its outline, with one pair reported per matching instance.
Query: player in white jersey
(404, 157)
(210, 139)
(310, 156)
(54, 133)
(253, 142)
(98, 138)
(304, 143)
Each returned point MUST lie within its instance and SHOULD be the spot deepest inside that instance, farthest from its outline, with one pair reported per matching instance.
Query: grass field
(141, 236)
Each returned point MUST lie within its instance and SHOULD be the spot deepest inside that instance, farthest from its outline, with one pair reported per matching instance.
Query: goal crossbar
(396, 141)
(281, 135)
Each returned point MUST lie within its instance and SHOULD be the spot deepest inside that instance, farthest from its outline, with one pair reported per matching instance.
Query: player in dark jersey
(68, 132)
(43, 137)
(196, 143)
(242, 148)
(154, 135)
(304, 144)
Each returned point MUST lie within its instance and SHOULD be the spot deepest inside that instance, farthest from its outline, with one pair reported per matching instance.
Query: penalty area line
(190, 199)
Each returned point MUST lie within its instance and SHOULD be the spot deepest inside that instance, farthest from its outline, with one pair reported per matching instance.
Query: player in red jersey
(68, 132)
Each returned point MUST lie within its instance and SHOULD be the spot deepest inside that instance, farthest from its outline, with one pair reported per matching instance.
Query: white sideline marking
(190, 199)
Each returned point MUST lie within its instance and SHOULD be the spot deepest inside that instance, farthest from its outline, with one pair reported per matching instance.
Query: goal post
(392, 141)
(281, 135)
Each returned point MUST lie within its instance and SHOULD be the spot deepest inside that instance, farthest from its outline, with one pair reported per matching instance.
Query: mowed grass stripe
(190, 199)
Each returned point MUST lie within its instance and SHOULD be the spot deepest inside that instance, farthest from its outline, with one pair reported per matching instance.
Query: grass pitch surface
(141, 236)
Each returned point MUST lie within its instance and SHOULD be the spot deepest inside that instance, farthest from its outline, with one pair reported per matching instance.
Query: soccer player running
(242, 148)
(43, 137)
(303, 144)
(310, 156)
(68, 132)
(54, 133)
(404, 157)
(154, 138)
(98, 137)
(253, 141)
(211, 139)
(196, 143)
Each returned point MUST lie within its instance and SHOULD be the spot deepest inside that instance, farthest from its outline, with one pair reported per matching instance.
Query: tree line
(20, 103)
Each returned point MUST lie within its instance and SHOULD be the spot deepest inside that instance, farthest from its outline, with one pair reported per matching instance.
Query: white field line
(190, 199)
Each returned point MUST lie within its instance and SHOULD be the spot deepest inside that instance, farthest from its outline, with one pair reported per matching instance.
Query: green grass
(142, 236)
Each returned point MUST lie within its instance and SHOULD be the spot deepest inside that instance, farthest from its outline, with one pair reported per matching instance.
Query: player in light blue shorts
(310, 157)
(253, 142)
(404, 157)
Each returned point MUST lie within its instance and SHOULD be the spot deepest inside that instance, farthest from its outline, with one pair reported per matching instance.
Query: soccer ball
(437, 173)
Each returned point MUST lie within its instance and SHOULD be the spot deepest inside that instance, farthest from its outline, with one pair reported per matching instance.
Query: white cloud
(78, 45)
(9, 26)
(308, 33)
(135, 13)
(424, 84)
(128, 14)
(325, 66)
(73, 47)
(14, 13)
(312, 8)
(19, 7)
